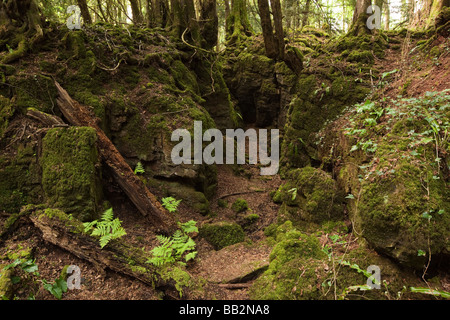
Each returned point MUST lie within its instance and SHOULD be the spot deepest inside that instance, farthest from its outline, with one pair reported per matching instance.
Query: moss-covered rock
(310, 194)
(240, 205)
(222, 234)
(19, 177)
(6, 285)
(71, 177)
(393, 171)
(304, 267)
(295, 262)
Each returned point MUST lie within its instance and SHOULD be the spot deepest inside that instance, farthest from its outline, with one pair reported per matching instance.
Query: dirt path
(237, 265)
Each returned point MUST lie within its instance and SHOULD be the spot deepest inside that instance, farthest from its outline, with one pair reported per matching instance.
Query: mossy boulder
(310, 194)
(71, 176)
(303, 267)
(295, 262)
(240, 205)
(222, 234)
(250, 78)
(398, 193)
(405, 212)
(193, 198)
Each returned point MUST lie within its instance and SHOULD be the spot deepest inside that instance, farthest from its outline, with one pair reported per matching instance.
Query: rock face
(260, 86)
(398, 185)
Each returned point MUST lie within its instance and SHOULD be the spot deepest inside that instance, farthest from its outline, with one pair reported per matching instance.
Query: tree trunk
(306, 13)
(387, 16)
(227, 12)
(278, 24)
(425, 17)
(266, 24)
(136, 10)
(237, 22)
(84, 11)
(184, 22)
(360, 17)
(209, 23)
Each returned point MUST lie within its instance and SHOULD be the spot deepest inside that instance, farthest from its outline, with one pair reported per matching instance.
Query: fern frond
(189, 227)
(89, 225)
(139, 168)
(108, 215)
(190, 256)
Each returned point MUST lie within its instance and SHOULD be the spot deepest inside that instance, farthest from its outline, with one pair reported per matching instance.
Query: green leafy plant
(107, 228)
(180, 246)
(56, 288)
(170, 203)
(139, 168)
(29, 266)
(433, 292)
(293, 191)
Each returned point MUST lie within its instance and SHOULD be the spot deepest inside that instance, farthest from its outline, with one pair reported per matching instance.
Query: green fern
(175, 248)
(170, 203)
(107, 228)
(139, 168)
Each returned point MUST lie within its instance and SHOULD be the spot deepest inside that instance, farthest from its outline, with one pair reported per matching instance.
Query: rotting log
(68, 235)
(46, 119)
(146, 202)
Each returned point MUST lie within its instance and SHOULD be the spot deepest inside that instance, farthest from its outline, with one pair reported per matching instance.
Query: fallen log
(46, 119)
(146, 202)
(68, 234)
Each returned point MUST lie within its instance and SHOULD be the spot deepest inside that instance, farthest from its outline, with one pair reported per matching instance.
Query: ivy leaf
(426, 215)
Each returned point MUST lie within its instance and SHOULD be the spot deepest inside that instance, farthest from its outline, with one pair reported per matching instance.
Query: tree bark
(360, 17)
(266, 24)
(278, 24)
(387, 15)
(209, 23)
(136, 11)
(306, 13)
(84, 11)
(237, 22)
(133, 187)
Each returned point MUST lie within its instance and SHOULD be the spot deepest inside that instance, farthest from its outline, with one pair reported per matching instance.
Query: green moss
(70, 174)
(239, 205)
(222, 203)
(296, 267)
(19, 178)
(6, 285)
(6, 112)
(309, 194)
(183, 282)
(222, 234)
(364, 56)
(184, 78)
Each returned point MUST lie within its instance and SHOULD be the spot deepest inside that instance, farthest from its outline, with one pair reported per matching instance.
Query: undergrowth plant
(170, 203)
(139, 169)
(107, 228)
(27, 273)
(180, 246)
